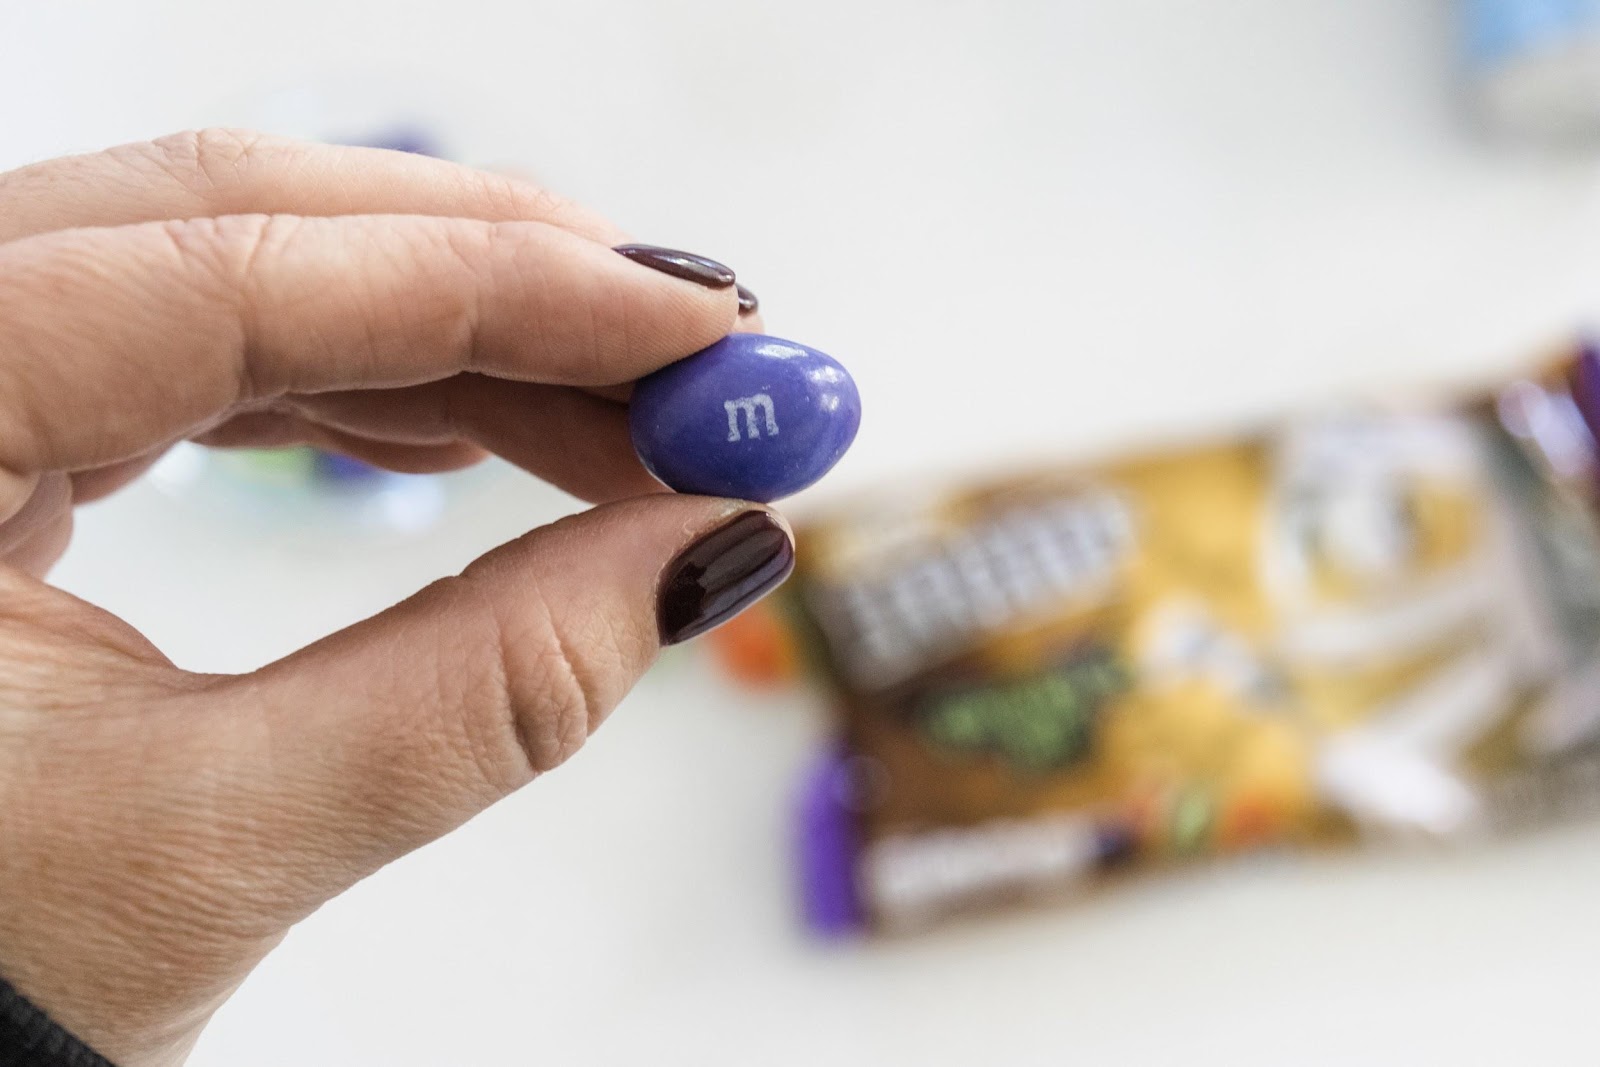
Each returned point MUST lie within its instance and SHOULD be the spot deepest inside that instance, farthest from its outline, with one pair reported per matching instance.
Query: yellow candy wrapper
(1378, 623)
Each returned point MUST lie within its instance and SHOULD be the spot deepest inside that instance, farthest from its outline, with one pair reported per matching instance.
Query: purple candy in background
(399, 139)
(332, 467)
(1586, 386)
(752, 417)
(828, 849)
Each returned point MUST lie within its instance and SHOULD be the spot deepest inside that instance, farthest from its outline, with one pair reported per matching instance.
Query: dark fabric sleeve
(30, 1038)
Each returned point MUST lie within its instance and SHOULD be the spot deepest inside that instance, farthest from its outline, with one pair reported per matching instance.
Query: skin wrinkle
(368, 314)
(491, 728)
(44, 659)
(76, 174)
(248, 389)
(515, 199)
(444, 415)
(468, 316)
(291, 160)
(207, 162)
(632, 335)
(94, 641)
(592, 331)
(458, 682)
(595, 362)
(545, 705)
(203, 244)
(500, 685)
(610, 654)
(291, 354)
(175, 866)
(548, 727)
(573, 729)
(454, 655)
(23, 412)
(479, 358)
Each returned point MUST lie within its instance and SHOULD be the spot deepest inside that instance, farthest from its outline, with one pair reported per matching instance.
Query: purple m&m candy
(752, 417)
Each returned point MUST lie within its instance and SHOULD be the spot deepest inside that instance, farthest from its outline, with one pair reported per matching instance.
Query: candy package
(1379, 623)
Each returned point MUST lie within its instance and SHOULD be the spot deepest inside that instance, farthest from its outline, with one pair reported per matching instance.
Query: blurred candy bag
(1380, 623)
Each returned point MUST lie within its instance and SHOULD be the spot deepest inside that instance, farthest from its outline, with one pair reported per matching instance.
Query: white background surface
(1031, 229)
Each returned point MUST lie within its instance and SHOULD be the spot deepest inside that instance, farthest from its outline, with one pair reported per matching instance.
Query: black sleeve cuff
(30, 1038)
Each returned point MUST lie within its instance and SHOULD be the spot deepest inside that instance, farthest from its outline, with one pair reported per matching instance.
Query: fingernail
(721, 574)
(747, 301)
(685, 265)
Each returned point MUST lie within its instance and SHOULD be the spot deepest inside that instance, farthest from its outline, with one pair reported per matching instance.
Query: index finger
(114, 341)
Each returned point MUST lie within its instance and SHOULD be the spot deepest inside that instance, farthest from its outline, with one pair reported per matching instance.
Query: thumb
(387, 735)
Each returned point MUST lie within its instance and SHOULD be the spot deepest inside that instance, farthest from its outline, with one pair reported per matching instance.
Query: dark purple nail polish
(685, 265)
(721, 574)
(747, 301)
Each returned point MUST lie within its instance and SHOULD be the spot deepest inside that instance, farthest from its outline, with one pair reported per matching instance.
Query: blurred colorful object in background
(757, 648)
(1381, 623)
(1535, 65)
(288, 489)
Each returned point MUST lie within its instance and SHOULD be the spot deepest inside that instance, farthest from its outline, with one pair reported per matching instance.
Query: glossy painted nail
(685, 265)
(747, 301)
(721, 574)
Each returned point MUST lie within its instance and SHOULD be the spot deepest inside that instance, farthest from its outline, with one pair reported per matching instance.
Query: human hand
(161, 830)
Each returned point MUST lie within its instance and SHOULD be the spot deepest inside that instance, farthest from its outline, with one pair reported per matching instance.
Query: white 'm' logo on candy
(748, 405)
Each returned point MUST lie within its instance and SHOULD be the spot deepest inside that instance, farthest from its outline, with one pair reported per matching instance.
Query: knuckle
(552, 677)
(576, 312)
(219, 247)
(210, 162)
(500, 717)
(229, 251)
(552, 698)
(460, 255)
(558, 705)
(223, 259)
(459, 248)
